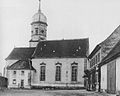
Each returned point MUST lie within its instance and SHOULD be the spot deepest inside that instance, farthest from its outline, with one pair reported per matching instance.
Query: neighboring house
(22, 53)
(19, 69)
(96, 56)
(110, 71)
(57, 63)
(20, 74)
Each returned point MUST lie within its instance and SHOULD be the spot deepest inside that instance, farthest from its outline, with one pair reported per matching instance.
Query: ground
(16, 92)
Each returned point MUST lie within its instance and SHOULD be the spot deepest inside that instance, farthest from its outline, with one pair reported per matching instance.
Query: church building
(47, 63)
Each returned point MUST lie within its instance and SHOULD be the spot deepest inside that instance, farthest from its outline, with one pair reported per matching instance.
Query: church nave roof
(62, 48)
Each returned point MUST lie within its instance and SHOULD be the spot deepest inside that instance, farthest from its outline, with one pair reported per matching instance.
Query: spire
(39, 5)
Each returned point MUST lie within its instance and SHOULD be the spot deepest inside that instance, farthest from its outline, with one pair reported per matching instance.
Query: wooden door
(111, 77)
(22, 83)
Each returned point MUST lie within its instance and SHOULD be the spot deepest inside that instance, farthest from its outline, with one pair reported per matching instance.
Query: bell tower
(38, 27)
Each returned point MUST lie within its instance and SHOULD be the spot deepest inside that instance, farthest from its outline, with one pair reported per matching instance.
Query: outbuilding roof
(108, 44)
(62, 48)
(114, 53)
(21, 53)
(21, 65)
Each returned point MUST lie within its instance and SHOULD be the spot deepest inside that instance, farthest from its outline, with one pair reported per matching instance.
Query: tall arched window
(42, 71)
(58, 72)
(74, 71)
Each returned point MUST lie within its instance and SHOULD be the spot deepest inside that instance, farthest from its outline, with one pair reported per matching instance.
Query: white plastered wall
(18, 78)
(33, 44)
(104, 77)
(8, 63)
(118, 74)
(50, 71)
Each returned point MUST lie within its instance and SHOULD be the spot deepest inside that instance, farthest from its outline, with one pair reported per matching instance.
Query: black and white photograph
(59, 47)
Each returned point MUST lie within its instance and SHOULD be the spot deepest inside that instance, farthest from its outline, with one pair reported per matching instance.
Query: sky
(67, 19)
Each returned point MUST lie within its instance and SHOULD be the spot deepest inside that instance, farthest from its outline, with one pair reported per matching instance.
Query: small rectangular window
(14, 72)
(22, 72)
(94, 61)
(14, 81)
(36, 30)
(98, 57)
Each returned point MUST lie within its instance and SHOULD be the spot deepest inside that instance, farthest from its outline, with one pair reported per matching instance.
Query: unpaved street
(48, 93)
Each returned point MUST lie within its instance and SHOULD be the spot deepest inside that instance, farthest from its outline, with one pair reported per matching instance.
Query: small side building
(97, 55)
(19, 68)
(20, 74)
(110, 71)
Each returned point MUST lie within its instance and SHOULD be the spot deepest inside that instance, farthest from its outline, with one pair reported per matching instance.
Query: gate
(111, 77)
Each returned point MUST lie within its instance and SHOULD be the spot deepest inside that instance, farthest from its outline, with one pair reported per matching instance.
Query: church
(47, 63)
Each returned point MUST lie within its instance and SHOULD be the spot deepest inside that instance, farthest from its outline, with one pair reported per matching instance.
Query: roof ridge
(65, 39)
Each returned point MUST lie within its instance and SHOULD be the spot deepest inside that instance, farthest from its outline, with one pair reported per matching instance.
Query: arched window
(58, 71)
(42, 71)
(36, 30)
(74, 71)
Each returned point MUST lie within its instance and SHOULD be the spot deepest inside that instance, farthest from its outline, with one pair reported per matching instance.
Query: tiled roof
(62, 48)
(21, 53)
(115, 52)
(107, 45)
(94, 51)
(21, 65)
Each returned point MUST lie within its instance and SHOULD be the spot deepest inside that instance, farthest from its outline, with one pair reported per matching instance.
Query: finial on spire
(39, 5)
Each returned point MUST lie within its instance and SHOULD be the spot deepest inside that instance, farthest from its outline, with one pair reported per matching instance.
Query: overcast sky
(68, 19)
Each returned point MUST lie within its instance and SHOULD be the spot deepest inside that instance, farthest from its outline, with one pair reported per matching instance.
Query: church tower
(38, 27)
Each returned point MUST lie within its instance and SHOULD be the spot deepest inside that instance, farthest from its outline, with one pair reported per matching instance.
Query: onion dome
(39, 16)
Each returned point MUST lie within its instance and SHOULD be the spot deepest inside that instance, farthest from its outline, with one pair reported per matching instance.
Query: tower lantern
(38, 27)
